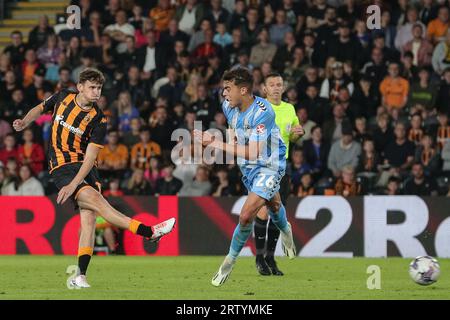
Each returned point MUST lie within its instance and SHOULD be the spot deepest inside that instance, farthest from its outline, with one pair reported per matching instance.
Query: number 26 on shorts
(265, 180)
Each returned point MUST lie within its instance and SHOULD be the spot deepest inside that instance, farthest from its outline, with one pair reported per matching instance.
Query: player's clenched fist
(298, 130)
(19, 125)
(204, 137)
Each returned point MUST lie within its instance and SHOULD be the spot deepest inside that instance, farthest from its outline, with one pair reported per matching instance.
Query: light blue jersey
(263, 175)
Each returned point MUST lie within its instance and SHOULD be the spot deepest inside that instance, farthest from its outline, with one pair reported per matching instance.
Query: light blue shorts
(265, 182)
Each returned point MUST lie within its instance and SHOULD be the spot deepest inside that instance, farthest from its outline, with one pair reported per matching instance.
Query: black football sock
(273, 233)
(260, 236)
(139, 228)
(144, 231)
(84, 257)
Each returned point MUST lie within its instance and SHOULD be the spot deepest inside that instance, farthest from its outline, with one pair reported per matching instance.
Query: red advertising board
(323, 226)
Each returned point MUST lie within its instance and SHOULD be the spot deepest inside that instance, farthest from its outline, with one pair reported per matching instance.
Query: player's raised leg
(85, 247)
(240, 236)
(89, 198)
(277, 213)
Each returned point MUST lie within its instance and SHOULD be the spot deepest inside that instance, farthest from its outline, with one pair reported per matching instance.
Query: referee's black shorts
(285, 188)
(64, 175)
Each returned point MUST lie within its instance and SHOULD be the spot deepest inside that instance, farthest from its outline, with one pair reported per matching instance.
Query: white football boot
(287, 243)
(80, 282)
(161, 229)
(224, 272)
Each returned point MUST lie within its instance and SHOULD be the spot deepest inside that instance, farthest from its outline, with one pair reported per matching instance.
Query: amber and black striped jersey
(72, 128)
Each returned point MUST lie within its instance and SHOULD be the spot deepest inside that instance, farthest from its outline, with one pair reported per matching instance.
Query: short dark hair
(135, 66)
(394, 179)
(64, 68)
(264, 29)
(221, 168)
(272, 75)
(18, 32)
(417, 114)
(408, 54)
(184, 54)
(91, 74)
(144, 129)
(395, 62)
(417, 163)
(424, 68)
(314, 128)
(18, 89)
(168, 165)
(241, 77)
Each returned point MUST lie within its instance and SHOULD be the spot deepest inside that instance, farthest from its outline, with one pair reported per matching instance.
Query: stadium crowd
(374, 103)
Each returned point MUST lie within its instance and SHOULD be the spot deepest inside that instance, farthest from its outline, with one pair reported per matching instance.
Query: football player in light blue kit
(260, 153)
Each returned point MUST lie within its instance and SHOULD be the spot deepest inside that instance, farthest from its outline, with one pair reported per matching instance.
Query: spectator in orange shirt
(113, 158)
(347, 185)
(306, 186)
(437, 28)
(443, 130)
(29, 67)
(162, 14)
(415, 133)
(30, 153)
(394, 89)
(142, 152)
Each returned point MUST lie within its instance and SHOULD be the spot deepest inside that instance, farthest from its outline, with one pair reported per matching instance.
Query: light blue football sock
(240, 237)
(279, 219)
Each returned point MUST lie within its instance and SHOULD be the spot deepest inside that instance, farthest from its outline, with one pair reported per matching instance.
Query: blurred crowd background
(374, 103)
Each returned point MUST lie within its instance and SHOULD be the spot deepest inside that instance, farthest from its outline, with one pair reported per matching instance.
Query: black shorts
(285, 188)
(64, 175)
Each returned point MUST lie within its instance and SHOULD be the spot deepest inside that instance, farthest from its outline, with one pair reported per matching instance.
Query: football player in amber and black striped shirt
(77, 133)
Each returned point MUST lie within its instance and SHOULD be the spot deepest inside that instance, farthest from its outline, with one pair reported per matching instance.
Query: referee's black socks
(273, 233)
(260, 228)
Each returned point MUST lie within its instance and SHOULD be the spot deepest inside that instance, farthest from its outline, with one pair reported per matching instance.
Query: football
(424, 270)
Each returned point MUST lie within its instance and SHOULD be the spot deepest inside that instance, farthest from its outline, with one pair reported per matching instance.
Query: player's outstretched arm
(30, 117)
(88, 162)
(248, 152)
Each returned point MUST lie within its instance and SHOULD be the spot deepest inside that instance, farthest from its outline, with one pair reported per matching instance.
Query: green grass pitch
(181, 278)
